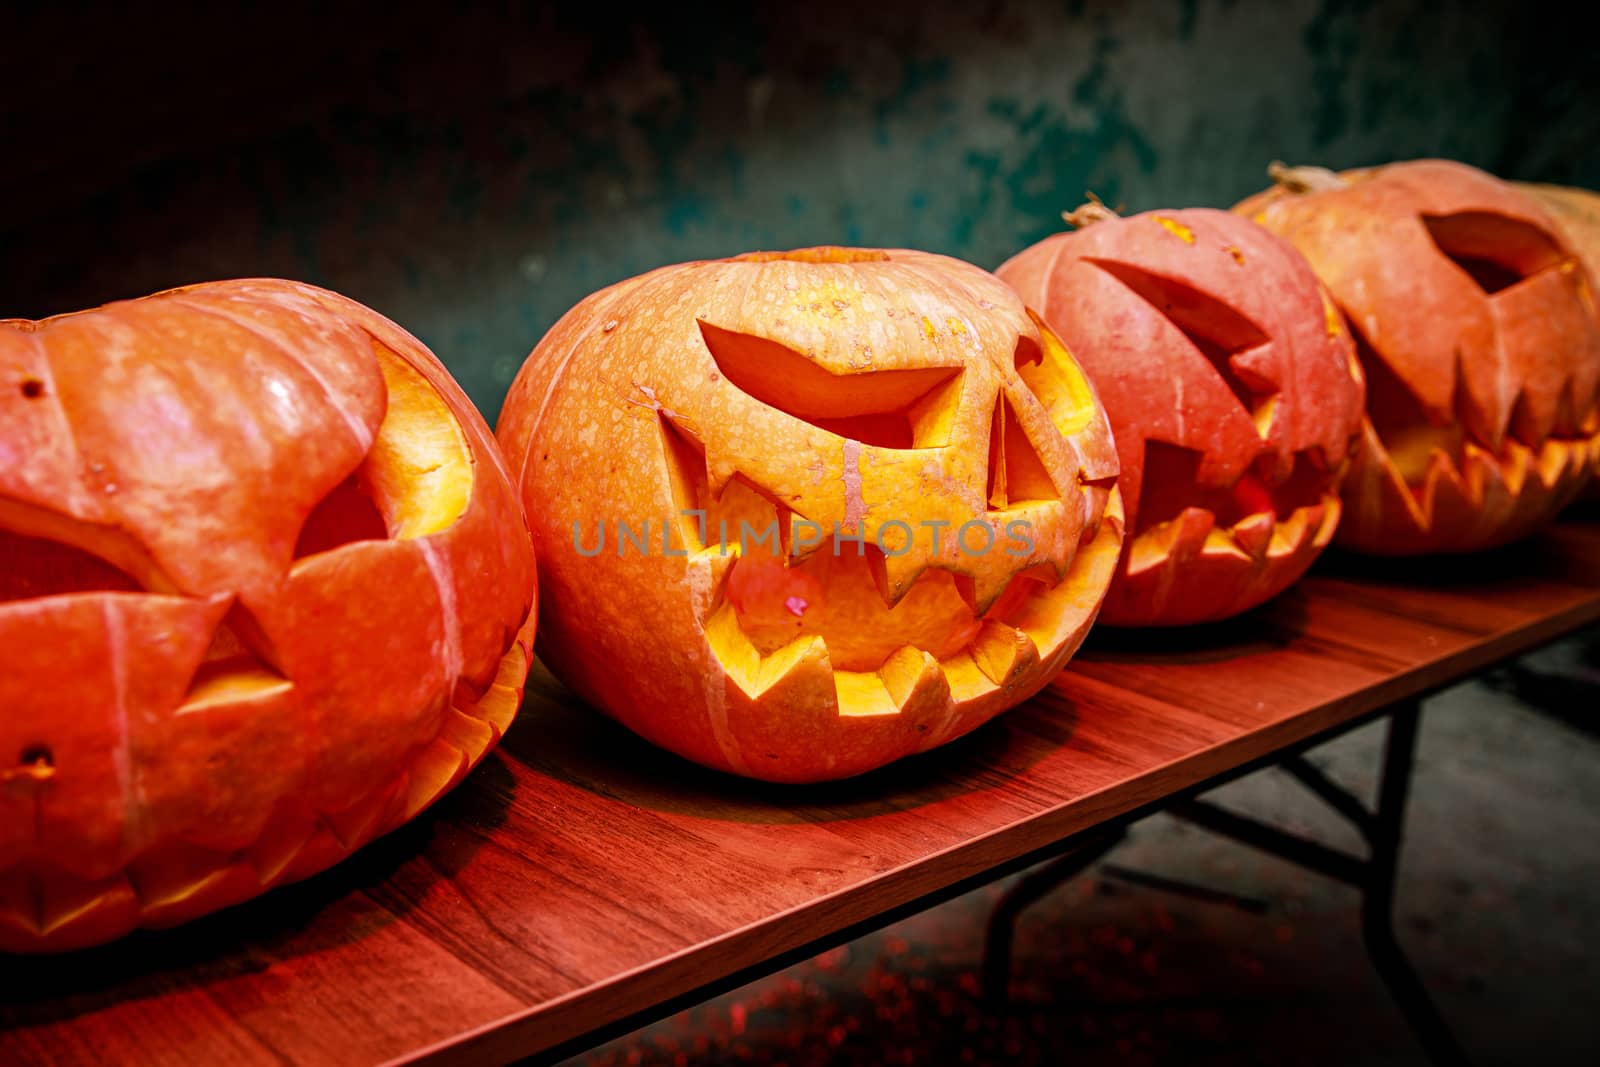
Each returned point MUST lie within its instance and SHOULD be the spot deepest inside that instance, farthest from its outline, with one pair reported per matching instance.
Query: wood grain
(580, 875)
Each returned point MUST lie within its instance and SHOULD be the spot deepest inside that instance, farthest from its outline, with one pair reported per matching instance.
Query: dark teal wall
(474, 177)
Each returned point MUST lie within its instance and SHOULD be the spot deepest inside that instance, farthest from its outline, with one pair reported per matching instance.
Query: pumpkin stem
(1089, 213)
(1304, 179)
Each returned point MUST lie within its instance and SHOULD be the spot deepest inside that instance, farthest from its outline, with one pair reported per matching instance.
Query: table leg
(1027, 889)
(1375, 876)
(1377, 896)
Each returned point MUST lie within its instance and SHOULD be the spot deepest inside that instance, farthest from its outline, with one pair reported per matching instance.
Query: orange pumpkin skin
(1477, 326)
(1578, 212)
(836, 386)
(241, 528)
(1232, 391)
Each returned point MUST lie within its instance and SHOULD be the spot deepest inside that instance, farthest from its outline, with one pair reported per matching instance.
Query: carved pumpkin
(1477, 326)
(867, 393)
(265, 593)
(1231, 388)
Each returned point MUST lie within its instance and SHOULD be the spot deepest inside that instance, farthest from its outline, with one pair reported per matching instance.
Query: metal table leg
(1377, 894)
(1025, 891)
(1375, 876)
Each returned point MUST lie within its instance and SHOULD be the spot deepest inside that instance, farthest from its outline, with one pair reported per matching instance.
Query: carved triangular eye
(416, 480)
(342, 517)
(32, 567)
(1494, 251)
(1218, 331)
(904, 408)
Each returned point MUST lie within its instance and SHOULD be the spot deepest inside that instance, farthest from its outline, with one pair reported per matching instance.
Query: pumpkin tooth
(68, 901)
(966, 587)
(1179, 537)
(497, 708)
(356, 823)
(1253, 533)
(1553, 461)
(1196, 526)
(706, 575)
(1290, 535)
(21, 901)
(914, 680)
(800, 674)
(1444, 477)
(1514, 466)
(753, 672)
(800, 548)
(895, 576)
(435, 772)
(1218, 543)
(988, 588)
(280, 842)
(862, 695)
(1002, 653)
(1381, 484)
(466, 732)
(1332, 510)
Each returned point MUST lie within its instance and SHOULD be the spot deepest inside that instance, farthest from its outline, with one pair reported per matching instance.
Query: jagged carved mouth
(777, 617)
(1251, 519)
(1432, 464)
(1427, 460)
(774, 624)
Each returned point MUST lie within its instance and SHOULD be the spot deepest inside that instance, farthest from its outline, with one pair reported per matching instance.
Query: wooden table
(580, 878)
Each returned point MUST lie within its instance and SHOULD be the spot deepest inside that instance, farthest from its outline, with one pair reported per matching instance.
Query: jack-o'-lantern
(1477, 326)
(265, 593)
(802, 514)
(1232, 390)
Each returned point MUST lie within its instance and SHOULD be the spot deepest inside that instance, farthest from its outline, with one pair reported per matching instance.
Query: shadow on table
(1551, 554)
(578, 745)
(351, 900)
(1267, 628)
(561, 737)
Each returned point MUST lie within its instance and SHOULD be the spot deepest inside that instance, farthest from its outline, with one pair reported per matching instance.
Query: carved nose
(1016, 473)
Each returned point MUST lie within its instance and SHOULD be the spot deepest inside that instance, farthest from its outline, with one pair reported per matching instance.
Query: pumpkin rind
(1578, 212)
(1478, 326)
(846, 386)
(240, 711)
(1210, 342)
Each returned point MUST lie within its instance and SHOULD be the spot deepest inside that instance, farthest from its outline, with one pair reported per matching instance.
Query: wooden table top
(580, 875)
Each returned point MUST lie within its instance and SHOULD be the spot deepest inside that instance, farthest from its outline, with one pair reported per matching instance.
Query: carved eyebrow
(1495, 251)
(36, 567)
(77, 555)
(903, 408)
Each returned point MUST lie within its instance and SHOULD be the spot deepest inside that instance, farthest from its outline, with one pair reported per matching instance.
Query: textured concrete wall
(474, 178)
